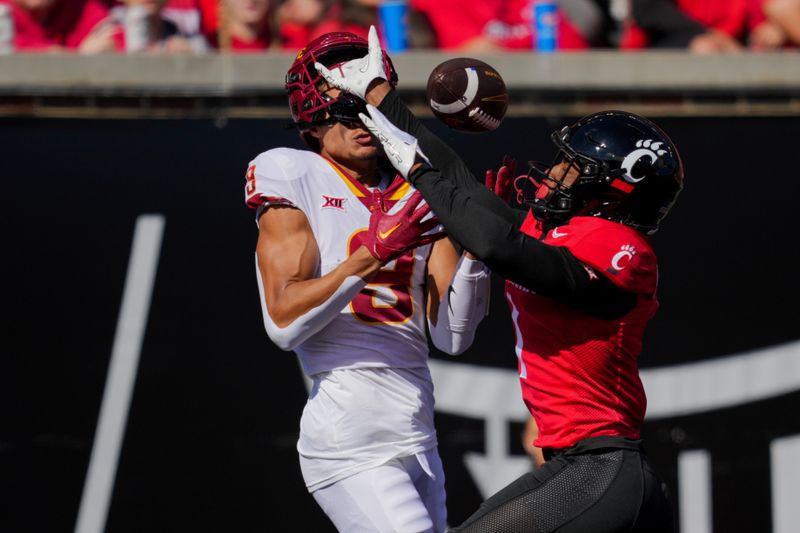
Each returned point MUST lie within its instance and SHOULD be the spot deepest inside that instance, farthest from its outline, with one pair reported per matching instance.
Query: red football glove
(392, 235)
(501, 186)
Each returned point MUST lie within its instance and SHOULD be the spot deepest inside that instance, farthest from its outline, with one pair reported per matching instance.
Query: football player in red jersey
(581, 282)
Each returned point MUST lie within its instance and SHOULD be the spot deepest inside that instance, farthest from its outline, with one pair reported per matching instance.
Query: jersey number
(251, 180)
(387, 298)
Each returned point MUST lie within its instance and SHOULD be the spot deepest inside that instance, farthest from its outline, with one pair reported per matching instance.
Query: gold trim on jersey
(364, 194)
(347, 180)
(401, 192)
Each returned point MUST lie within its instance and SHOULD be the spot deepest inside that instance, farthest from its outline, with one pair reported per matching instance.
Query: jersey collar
(397, 189)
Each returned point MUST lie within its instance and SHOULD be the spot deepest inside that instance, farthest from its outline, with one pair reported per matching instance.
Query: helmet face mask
(308, 103)
(614, 165)
(345, 110)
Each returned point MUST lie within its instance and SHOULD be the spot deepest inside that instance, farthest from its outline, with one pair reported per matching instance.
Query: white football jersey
(384, 325)
(372, 396)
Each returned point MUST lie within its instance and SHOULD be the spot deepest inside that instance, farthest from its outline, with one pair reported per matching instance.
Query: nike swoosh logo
(557, 235)
(384, 234)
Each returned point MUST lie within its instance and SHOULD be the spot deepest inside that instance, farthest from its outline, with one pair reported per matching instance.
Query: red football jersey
(579, 374)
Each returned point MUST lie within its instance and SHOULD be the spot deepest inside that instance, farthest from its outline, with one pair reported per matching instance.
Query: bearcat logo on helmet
(645, 148)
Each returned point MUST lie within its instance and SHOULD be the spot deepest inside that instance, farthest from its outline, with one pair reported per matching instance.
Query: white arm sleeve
(301, 328)
(466, 304)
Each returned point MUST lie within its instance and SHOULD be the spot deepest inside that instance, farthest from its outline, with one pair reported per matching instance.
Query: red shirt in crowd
(295, 36)
(507, 22)
(733, 17)
(209, 16)
(67, 25)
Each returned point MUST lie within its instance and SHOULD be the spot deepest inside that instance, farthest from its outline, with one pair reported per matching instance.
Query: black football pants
(600, 485)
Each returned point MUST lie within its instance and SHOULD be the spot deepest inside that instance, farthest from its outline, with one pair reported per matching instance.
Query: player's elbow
(490, 253)
(283, 338)
(458, 348)
(284, 342)
(287, 336)
(452, 342)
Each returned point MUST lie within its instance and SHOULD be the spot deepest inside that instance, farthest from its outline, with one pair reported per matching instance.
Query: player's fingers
(417, 216)
(411, 205)
(325, 73)
(427, 239)
(379, 118)
(370, 125)
(503, 179)
(509, 170)
(374, 44)
(424, 225)
(428, 225)
(489, 181)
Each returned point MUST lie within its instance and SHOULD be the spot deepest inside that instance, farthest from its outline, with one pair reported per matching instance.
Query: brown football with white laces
(468, 95)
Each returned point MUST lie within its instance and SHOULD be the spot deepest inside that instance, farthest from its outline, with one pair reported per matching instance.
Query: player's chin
(366, 152)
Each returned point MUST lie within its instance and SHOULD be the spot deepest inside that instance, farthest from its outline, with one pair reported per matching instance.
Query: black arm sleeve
(548, 270)
(665, 24)
(446, 160)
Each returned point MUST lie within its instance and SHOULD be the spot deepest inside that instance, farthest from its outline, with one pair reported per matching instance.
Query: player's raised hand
(401, 148)
(355, 76)
(391, 235)
(500, 183)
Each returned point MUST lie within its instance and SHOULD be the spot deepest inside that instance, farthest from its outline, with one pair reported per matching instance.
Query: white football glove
(354, 76)
(401, 147)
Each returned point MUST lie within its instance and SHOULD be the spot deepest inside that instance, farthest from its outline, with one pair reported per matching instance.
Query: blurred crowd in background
(470, 26)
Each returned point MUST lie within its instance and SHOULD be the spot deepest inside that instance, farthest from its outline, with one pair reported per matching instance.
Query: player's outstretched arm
(297, 304)
(441, 155)
(549, 270)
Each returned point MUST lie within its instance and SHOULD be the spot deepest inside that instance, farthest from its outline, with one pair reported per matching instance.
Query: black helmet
(629, 172)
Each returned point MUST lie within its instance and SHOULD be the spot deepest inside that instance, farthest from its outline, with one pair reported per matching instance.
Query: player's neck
(367, 175)
(371, 178)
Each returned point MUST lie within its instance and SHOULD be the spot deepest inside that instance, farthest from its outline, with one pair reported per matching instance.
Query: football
(467, 95)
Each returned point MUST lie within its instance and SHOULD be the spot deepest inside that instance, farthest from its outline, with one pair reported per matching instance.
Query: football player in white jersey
(349, 275)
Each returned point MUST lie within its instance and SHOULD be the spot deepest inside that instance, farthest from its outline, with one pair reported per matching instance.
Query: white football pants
(405, 495)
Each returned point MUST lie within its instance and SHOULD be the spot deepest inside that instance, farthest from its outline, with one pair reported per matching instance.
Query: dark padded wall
(210, 442)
